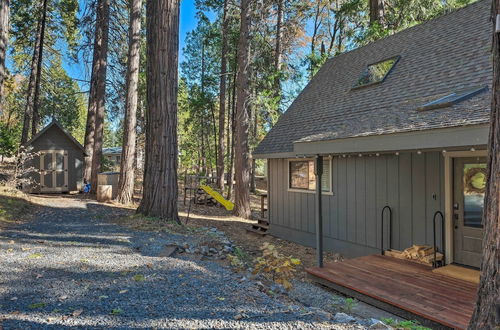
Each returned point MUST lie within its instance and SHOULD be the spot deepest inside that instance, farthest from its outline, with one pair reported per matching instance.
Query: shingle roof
(55, 123)
(441, 56)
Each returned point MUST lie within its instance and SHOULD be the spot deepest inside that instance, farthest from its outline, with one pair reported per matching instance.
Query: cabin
(113, 155)
(395, 134)
(59, 161)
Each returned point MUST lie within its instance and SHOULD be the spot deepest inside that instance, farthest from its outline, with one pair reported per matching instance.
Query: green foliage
(349, 304)
(113, 136)
(139, 278)
(116, 311)
(106, 164)
(8, 141)
(239, 259)
(401, 14)
(406, 324)
(275, 266)
(62, 99)
(61, 29)
(35, 256)
(37, 305)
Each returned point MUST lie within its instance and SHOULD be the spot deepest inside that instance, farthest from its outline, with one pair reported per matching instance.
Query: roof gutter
(289, 154)
(465, 136)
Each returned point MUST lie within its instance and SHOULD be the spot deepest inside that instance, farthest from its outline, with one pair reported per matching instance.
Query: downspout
(319, 213)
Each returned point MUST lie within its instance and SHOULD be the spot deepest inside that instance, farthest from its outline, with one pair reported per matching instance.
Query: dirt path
(70, 267)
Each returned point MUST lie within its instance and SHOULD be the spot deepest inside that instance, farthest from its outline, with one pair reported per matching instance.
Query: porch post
(319, 214)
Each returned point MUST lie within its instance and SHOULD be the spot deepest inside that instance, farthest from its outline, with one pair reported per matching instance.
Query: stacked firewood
(419, 253)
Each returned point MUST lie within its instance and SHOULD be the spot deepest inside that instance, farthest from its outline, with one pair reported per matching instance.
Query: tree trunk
(28, 110)
(486, 314)
(36, 97)
(127, 169)
(230, 177)
(242, 154)
(277, 50)
(376, 11)
(97, 96)
(222, 100)
(160, 177)
(214, 128)
(254, 138)
(4, 40)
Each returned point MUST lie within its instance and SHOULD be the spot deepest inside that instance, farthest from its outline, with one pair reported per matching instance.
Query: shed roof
(445, 55)
(59, 126)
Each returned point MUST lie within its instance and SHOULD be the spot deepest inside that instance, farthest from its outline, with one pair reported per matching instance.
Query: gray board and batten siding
(412, 184)
(55, 138)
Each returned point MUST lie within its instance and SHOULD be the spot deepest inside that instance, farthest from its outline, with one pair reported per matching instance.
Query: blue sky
(187, 24)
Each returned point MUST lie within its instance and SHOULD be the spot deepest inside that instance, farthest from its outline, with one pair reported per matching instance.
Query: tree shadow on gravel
(119, 299)
(122, 283)
(87, 226)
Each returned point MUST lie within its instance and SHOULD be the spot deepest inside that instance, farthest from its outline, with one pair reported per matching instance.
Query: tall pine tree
(127, 177)
(160, 176)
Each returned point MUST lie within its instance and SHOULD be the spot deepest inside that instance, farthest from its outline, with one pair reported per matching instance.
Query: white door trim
(448, 195)
(54, 187)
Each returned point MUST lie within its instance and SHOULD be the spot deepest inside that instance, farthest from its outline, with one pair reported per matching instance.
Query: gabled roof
(445, 55)
(55, 123)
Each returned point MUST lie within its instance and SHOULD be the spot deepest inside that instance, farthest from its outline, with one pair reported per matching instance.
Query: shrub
(275, 266)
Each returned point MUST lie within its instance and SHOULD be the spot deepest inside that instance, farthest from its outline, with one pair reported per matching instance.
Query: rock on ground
(71, 268)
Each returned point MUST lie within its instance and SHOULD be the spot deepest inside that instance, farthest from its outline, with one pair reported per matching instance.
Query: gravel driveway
(70, 268)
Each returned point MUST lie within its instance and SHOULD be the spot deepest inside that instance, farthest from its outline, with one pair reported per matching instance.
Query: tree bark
(160, 177)
(28, 110)
(486, 314)
(97, 96)
(376, 11)
(278, 49)
(232, 125)
(127, 172)
(4, 40)
(242, 154)
(254, 138)
(222, 100)
(36, 97)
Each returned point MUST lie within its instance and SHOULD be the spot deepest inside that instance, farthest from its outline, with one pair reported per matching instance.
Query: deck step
(263, 226)
(256, 231)
(262, 220)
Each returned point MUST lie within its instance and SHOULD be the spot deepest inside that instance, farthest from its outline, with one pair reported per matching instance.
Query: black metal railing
(387, 207)
(435, 262)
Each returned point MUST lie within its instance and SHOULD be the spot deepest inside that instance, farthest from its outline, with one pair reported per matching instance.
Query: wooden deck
(402, 287)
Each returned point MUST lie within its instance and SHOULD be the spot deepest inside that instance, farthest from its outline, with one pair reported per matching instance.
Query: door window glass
(47, 161)
(474, 190)
(59, 161)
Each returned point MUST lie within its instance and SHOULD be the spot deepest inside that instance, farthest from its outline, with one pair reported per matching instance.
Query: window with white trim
(301, 175)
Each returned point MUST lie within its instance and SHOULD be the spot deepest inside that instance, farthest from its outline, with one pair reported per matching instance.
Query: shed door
(469, 190)
(54, 171)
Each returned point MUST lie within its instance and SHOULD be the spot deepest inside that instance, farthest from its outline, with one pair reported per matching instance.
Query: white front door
(54, 171)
